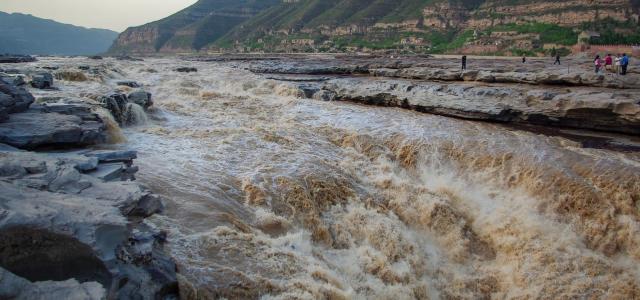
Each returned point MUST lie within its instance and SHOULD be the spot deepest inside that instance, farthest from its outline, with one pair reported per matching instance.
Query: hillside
(191, 28)
(417, 26)
(26, 34)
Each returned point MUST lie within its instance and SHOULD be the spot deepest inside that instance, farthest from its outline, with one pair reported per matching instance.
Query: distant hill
(26, 34)
(520, 27)
(190, 29)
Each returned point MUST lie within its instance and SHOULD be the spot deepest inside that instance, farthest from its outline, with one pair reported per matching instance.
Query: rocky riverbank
(72, 218)
(490, 90)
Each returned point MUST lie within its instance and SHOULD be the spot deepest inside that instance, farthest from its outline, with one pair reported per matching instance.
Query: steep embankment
(189, 29)
(411, 25)
(26, 34)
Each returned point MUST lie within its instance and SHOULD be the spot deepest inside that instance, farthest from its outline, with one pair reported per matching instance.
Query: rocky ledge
(72, 222)
(573, 73)
(605, 110)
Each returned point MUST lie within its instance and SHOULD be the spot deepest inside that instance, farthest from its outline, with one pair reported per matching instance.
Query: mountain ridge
(28, 34)
(412, 25)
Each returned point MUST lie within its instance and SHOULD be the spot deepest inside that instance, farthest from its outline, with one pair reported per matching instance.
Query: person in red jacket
(608, 63)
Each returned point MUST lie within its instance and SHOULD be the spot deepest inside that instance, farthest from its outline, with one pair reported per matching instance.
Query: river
(270, 195)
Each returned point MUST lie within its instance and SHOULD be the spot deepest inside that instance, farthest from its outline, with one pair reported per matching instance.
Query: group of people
(619, 64)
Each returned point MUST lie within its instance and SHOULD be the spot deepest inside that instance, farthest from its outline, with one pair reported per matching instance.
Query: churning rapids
(270, 195)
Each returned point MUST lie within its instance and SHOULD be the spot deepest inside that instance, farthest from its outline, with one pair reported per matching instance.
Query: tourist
(617, 63)
(608, 63)
(524, 59)
(624, 64)
(557, 59)
(598, 63)
(464, 62)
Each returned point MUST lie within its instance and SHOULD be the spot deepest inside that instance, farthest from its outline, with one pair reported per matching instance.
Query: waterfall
(135, 115)
(114, 133)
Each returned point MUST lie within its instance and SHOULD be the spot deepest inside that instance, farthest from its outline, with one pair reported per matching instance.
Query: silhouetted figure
(557, 62)
(624, 64)
(464, 62)
(524, 60)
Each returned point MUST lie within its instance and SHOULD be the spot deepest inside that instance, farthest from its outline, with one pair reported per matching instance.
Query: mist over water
(273, 196)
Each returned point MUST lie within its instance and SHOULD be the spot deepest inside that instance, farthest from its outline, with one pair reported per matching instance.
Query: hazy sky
(110, 14)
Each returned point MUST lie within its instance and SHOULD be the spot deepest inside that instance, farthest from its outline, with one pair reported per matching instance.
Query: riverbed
(272, 195)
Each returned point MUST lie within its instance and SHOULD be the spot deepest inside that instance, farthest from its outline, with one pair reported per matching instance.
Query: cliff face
(565, 13)
(189, 29)
(278, 25)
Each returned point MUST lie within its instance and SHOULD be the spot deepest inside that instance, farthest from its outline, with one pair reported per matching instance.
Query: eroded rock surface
(58, 222)
(608, 110)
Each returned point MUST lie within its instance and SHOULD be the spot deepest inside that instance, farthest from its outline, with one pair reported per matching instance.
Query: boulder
(141, 98)
(13, 99)
(117, 105)
(13, 79)
(125, 156)
(42, 81)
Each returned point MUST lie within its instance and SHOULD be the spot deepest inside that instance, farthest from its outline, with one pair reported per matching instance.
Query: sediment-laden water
(275, 196)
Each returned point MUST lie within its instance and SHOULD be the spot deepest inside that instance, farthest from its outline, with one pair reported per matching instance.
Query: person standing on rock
(464, 62)
(524, 59)
(624, 64)
(557, 60)
(598, 63)
(617, 63)
(608, 63)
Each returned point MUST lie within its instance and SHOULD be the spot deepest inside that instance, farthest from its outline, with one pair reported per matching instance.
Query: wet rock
(7, 148)
(141, 98)
(32, 129)
(585, 109)
(186, 70)
(84, 68)
(13, 79)
(12, 59)
(129, 58)
(13, 99)
(125, 156)
(147, 206)
(129, 83)
(109, 171)
(96, 57)
(117, 105)
(324, 95)
(56, 234)
(42, 81)
(309, 90)
(15, 287)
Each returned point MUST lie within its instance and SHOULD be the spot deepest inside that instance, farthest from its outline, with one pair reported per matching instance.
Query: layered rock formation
(72, 222)
(493, 91)
(336, 25)
(189, 29)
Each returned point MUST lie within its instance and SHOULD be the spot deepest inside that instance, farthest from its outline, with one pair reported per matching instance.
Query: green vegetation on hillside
(549, 33)
(614, 32)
